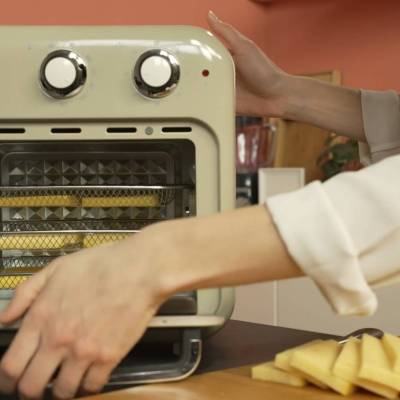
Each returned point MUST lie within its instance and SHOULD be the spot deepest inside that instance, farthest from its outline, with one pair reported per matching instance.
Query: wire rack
(88, 196)
(83, 226)
(9, 281)
(54, 203)
(35, 237)
(28, 246)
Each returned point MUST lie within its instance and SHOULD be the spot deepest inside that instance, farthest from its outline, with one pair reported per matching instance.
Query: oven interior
(58, 197)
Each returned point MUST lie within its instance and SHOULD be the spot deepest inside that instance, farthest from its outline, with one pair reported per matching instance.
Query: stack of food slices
(369, 363)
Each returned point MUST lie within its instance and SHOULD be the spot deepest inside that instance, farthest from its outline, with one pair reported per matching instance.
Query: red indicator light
(205, 73)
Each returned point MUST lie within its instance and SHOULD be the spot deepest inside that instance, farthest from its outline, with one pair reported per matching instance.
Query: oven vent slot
(121, 130)
(12, 130)
(176, 129)
(66, 130)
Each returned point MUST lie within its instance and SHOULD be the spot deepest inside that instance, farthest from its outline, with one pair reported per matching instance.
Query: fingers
(17, 357)
(227, 33)
(24, 296)
(39, 372)
(97, 377)
(70, 377)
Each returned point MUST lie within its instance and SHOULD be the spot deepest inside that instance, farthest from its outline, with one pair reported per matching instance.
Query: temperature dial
(62, 74)
(156, 73)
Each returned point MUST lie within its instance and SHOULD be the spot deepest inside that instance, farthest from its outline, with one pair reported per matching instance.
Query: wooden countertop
(225, 370)
(230, 384)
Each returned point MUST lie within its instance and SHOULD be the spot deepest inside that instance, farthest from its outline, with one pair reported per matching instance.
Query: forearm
(330, 107)
(227, 249)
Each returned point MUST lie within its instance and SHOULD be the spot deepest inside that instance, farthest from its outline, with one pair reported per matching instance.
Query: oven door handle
(187, 363)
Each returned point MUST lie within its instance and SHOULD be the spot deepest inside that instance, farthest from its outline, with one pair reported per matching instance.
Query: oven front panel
(61, 192)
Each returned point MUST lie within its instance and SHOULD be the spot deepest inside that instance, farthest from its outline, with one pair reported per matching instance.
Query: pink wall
(361, 38)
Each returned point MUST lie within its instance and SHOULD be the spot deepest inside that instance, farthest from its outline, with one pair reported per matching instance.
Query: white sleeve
(345, 233)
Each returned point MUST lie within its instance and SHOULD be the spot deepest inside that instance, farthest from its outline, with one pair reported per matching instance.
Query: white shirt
(345, 233)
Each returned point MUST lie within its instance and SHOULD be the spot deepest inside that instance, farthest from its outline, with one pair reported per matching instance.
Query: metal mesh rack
(24, 264)
(10, 281)
(26, 252)
(54, 203)
(42, 203)
(74, 225)
(27, 247)
(88, 196)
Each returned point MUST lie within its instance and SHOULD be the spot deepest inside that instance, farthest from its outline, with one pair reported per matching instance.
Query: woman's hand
(265, 90)
(84, 312)
(261, 85)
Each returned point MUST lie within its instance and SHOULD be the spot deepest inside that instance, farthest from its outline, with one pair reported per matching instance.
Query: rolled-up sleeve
(345, 233)
(381, 117)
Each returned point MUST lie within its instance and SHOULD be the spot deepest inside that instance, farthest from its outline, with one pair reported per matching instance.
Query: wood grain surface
(231, 384)
(224, 372)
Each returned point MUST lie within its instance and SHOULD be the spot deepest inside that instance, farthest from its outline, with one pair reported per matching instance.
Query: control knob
(62, 74)
(156, 73)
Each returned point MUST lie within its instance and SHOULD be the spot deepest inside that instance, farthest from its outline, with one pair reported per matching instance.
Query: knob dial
(62, 74)
(156, 73)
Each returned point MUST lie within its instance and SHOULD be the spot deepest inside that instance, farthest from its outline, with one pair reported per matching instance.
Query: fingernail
(213, 16)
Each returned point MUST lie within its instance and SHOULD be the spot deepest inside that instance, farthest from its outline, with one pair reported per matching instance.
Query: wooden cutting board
(230, 384)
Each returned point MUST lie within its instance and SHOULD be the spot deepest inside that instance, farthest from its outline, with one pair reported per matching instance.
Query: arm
(80, 316)
(330, 107)
(264, 89)
(228, 249)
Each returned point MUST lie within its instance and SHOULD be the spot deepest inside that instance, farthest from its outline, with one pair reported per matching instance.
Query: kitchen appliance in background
(255, 142)
(246, 189)
(103, 131)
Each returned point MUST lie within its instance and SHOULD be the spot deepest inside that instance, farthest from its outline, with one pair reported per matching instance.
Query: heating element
(104, 131)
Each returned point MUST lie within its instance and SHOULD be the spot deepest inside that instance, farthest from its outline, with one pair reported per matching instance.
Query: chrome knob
(62, 74)
(156, 73)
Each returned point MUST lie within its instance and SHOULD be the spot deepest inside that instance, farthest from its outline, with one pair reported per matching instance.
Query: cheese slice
(348, 364)
(123, 201)
(282, 361)
(40, 201)
(269, 373)
(37, 241)
(97, 239)
(11, 277)
(317, 361)
(11, 282)
(391, 345)
(375, 364)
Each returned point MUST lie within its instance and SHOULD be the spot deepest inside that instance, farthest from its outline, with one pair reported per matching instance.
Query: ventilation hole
(175, 129)
(12, 130)
(66, 130)
(121, 130)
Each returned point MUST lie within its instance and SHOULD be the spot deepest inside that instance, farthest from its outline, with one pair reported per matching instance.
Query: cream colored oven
(104, 130)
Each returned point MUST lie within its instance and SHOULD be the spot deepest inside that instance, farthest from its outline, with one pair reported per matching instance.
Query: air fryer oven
(104, 131)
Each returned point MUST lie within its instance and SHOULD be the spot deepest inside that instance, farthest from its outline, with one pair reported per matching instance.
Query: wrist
(281, 99)
(159, 245)
(293, 94)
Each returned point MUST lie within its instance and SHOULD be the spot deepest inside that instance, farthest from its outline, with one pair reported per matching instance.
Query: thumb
(233, 39)
(25, 295)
